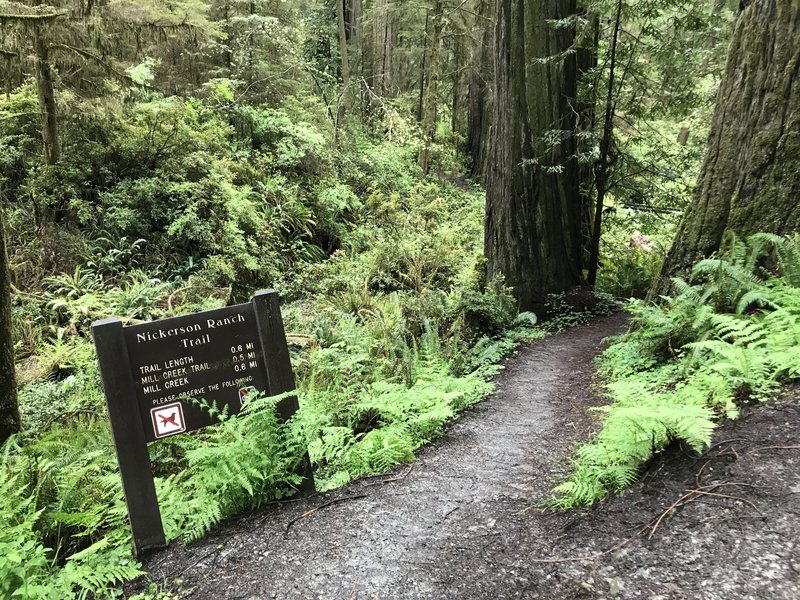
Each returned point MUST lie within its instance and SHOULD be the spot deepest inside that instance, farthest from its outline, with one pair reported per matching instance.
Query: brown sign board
(160, 378)
(182, 364)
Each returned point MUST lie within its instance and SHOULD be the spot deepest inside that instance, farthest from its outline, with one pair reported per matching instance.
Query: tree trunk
(344, 97)
(9, 413)
(533, 209)
(47, 99)
(429, 96)
(381, 48)
(586, 57)
(455, 105)
(479, 99)
(750, 178)
(604, 161)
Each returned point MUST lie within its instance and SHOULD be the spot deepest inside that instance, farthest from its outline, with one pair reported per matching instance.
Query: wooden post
(128, 432)
(280, 377)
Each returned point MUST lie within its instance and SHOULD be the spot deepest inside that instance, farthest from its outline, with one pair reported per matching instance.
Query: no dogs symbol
(168, 420)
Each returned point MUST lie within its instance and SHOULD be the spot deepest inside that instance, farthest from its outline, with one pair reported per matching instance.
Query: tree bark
(344, 97)
(9, 412)
(533, 208)
(750, 178)
(47, 99)
(429, 96)
(479, 109)
(381, 48)
(586, 57)
(604, 162)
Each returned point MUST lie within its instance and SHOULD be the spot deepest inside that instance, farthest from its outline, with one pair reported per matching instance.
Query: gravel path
(463, 521)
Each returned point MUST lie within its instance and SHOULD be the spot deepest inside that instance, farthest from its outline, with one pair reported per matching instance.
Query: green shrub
(683, 365)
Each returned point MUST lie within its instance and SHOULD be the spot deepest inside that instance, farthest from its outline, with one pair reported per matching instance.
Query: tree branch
(92, 56)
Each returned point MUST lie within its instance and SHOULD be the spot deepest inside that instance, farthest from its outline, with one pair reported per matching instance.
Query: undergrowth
(730, 334)
(393, 327)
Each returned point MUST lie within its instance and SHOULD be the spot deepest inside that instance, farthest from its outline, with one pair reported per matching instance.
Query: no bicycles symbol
(244, 394)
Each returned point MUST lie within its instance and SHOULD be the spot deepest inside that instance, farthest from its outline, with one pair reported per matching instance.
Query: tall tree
(36, 24)
(9, 413)
(533, 208)
(429, 87)
(750, 179)
(479, 98)
(603, 164)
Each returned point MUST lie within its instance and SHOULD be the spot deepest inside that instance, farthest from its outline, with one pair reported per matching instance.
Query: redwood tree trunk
(479, 107)
(750, 179)
(9, 413)
(533, 208)
(47, 99)
(381, 48)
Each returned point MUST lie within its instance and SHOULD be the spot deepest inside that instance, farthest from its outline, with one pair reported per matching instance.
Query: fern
(30, 479)
(733, 332)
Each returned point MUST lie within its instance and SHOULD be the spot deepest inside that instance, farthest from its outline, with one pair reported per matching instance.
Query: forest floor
(465, 520)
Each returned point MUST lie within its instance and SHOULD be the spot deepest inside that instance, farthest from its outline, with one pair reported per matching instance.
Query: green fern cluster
(239, 464)
(733, 333)
(63, 524)
(381, 424)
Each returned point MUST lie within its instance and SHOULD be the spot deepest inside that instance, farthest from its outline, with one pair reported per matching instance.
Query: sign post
(129, 437)
(152, 373)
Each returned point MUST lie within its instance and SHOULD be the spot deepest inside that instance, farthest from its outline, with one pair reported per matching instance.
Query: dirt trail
(463, 521)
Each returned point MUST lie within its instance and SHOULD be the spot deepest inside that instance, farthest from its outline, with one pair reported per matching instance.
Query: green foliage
(241, 463)
(730, 337)
(63, 520)
(363, 429)
(565, 310)
(182, 205)
(630, 262)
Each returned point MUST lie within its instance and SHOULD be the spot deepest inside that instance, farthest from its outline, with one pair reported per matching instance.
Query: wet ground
(464, 521)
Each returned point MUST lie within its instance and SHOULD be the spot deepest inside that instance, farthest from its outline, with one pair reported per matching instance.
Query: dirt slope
(463, 522)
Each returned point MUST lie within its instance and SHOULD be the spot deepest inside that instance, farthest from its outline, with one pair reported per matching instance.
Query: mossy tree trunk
(429, 91)
(750, 179)
(533, 205)
(9, 413)
(47, 99)
(344, 97)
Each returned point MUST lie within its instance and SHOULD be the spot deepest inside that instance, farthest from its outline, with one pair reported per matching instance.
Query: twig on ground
(195, 563)
(695, 494)
(730, 497)
(391, 479)
(685, 498)
(772, 448)
(353, 590)
(708, 450)
(311, 511)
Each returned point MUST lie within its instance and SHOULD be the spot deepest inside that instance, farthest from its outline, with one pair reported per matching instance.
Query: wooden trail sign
(151, 372)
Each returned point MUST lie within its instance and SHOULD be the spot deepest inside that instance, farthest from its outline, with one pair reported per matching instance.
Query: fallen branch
(391, 479)
(311, 511)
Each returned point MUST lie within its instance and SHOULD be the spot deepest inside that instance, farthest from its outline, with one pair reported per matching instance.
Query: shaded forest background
(422, 181)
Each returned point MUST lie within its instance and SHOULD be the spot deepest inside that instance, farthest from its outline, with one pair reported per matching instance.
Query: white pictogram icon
(168, 419)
